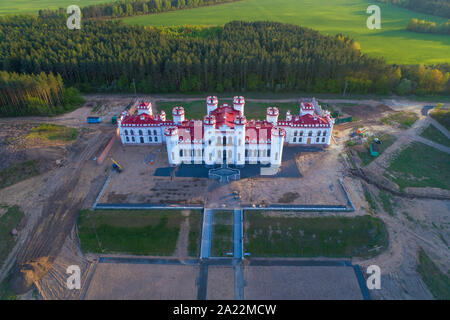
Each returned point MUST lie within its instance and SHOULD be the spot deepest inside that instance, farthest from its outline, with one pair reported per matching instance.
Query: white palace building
(225, 135)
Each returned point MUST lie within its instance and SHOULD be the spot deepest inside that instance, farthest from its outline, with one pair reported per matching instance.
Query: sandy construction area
(301, 283)
(143, 282)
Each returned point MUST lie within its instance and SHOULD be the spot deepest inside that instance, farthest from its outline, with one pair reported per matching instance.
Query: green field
(403, 119)
(8, 221)
(293, 236)
(437, 282)
(420, 166)
(222, 233)
(152, 232)
(33, 6)
(53, 132)
(433, 134)
(330, 17)
(197, 109)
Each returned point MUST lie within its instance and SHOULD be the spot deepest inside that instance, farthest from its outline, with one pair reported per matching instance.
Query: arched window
(126, 133)
(132, 139)
(318, 139)
(295, 139)
(149, 132)
(240, 142)
(246, 153)
(132, 132)
(295, 133)
(300, 139)
(154, 132)
(324, 133)
(150, 139)
(310, 134)
(230, 154)
(181, 152)
(140, 132)
(128, 139)
(301, 133)
(219, 154)
(219, 141)
(323, 140)
(318, 133)
(224, 141)
(156, 139)
(230, 141)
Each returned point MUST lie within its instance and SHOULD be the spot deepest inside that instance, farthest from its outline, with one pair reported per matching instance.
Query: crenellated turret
(288, 115)
(211, 103)
(272, 115)
(145, 107)
(276, 147)
(178, 115)
(171, 134)
(238, 104)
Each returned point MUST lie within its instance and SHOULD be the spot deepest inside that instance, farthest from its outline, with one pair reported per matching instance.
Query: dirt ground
(143, 282)
(51, 202)
(137, 183)
(301, 283)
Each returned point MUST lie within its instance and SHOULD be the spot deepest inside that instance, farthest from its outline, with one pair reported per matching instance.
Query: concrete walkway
(238, 233)
(205, 250)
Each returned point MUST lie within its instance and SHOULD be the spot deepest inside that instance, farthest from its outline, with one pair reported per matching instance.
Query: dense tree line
(126, 8)
(110, 56)
(424, 26)
(35, 94)
(435, 7)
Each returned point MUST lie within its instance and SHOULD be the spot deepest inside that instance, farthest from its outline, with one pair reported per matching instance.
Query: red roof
(307, 121)
(142, 120)
(144, 105)
(258, 130)
(225, 115)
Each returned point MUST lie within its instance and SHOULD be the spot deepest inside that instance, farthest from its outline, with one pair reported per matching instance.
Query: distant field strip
(348, 17)
(33, 6)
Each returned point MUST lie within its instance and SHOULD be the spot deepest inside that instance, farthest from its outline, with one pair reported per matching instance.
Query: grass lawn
(386, 139)
(433, 134)
(53, 132)
(419, 165)
(5, 292)
(393, 41)
(442, 116)
(195, 233)
(404, 119)
(437, 282)
(387, 202)
(197, 109)
(133, 232)
(33, 6)
(18, 172)
(8, 221)
(222, 233)
(337, 237)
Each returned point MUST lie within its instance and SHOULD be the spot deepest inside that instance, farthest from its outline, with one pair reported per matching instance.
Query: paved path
(205, 250)
(238, 233)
